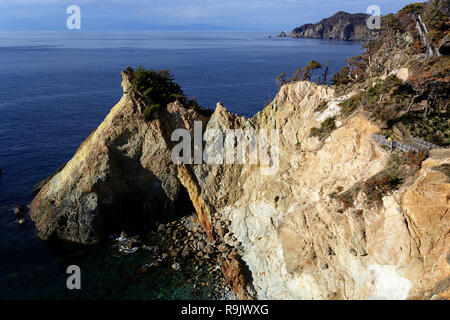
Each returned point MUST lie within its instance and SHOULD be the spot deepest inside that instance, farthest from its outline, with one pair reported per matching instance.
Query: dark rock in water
(283, 34)
(0, 172)
(18, 210)
(340, 26)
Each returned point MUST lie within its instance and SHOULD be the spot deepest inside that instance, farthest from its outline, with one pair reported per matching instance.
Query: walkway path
(416, 145)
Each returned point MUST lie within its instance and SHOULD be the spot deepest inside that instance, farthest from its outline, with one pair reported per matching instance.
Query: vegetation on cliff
(157, 89)
(399, 168)
(326, 127)
(304, 74)
(414, 40)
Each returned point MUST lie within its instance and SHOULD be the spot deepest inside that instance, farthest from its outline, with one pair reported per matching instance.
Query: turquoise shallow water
(58, 86)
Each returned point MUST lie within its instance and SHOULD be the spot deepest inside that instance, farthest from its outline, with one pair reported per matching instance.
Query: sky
(117, 15)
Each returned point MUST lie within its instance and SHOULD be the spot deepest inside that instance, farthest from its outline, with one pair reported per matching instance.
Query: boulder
(18, 210)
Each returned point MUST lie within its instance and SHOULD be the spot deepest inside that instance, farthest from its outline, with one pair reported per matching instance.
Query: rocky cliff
(297, 240)
(121, 177)
(292, 233)
(340, 26)
(341, 218)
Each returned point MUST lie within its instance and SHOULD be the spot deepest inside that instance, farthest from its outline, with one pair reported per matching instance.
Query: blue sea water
(56, 87)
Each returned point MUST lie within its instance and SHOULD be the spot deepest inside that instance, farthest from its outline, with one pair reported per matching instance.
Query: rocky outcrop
(193, 189)
(297, 241)
(340, 26)
(426, 208)
(292, 237)
(121, 177)
(233, 270)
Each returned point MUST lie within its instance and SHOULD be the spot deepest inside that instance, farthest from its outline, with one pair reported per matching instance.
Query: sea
(56, 87)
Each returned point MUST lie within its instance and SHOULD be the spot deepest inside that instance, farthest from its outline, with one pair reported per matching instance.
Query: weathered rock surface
(121, 177)
(296, 242)
(340, 26)
(288, 230)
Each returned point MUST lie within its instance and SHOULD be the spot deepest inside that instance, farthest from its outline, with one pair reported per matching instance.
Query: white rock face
(386, 283)
(295, 240)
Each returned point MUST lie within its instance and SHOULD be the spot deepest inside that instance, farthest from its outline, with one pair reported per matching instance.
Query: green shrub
(387, 98)
(341, 77)
(433, 129)
(158, 85)
(157, 89)
(148, 111)
(399, 167)
(350, 105)
(281, 80)
(377, 187)
(383, 101)
(315, 132)
(326, 127)
(313, 64)
(329, 124)
(390, 22)
(415, 159)
(413, 8)
(436, 20)
(305, 73)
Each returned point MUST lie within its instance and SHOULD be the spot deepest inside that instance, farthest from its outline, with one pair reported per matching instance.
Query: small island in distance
(340, 26)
